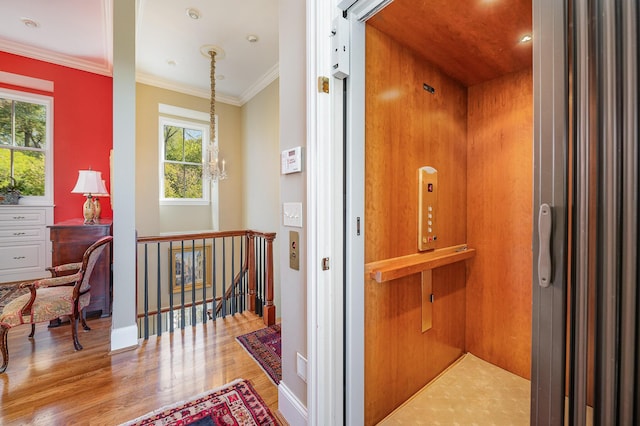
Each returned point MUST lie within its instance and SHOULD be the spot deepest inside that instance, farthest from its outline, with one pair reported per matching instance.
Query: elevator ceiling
(470, 40)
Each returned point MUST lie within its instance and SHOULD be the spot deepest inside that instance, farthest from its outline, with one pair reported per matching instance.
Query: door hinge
(323, 84)
(325, 263)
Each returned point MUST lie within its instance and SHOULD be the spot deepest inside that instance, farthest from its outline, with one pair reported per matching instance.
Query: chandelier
(213, 168)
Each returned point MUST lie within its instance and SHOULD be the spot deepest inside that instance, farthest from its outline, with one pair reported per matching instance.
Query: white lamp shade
(104, 192)
(89, 182)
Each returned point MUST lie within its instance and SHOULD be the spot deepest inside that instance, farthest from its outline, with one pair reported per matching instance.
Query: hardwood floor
(48, 383)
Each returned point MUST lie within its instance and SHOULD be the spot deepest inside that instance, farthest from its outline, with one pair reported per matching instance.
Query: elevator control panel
(427, 208)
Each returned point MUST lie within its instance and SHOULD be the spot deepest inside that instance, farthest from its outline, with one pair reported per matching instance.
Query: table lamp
(89, 183)
(96, 201)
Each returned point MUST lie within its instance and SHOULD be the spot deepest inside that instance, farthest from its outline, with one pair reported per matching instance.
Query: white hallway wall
(261, 159)
(293, 132)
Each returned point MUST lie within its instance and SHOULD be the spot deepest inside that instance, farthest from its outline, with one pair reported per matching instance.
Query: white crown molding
(103, 67)
(246, 96)
(107, 13)
(183, 88)
(268, 78)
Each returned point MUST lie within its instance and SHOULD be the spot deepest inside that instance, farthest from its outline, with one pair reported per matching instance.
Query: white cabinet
(25, 248)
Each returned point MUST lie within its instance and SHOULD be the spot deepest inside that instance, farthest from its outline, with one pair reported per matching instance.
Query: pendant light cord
(212, 53)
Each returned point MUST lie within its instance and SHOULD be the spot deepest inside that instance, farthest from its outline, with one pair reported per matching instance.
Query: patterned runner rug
(264, 346)
(236, 403)
(8, 292)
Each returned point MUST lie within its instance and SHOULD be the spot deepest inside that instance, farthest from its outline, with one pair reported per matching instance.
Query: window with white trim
(26, 145)
(183, 146)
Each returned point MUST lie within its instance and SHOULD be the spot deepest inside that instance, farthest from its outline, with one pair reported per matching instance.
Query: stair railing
(184, 279)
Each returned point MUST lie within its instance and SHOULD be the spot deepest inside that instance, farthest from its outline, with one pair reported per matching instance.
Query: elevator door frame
(550, 186)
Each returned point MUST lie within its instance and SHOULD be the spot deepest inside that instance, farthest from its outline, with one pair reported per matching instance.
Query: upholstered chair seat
(51, 303)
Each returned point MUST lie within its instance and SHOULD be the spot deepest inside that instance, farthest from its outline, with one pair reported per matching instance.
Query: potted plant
(10, 193)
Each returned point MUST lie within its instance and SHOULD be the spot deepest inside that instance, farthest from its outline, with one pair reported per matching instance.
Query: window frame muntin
(48, 102)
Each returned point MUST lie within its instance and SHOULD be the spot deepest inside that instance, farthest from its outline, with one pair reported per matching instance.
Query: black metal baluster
(171, 282)
(203, 305)
(234, 299)
(214, 305)
(260, 283)
(159, 295)
(243, 290)
(146, 294)
(224, 278)
(193, 282)
(182, 312)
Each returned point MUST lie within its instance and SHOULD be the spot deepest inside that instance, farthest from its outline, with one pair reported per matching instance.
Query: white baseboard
(124, 337)
(293, 411)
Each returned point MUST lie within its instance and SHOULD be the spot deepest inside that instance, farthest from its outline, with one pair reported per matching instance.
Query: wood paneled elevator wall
(477, 139)
(499, 224)
(407, 128)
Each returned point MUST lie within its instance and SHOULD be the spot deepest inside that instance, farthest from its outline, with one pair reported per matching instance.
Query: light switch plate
(292, 214)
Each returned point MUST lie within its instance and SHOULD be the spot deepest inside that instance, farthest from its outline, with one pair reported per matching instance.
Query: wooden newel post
(269, 312)
(251, 260)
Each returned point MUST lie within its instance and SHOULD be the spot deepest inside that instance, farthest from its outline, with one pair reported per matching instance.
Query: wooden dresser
(69, 241)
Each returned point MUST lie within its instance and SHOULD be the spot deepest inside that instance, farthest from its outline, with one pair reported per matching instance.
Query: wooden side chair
(52, 298)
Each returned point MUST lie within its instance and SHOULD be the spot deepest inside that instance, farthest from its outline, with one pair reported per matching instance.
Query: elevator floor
(470, 392)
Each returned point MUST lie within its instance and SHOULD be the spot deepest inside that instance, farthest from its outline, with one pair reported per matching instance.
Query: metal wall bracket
(427, 300)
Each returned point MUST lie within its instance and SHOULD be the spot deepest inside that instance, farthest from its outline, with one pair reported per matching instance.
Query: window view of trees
(182, 162)
(22, 146)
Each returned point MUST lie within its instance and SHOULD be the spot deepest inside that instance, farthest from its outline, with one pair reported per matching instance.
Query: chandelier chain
(212, 168)
(212, 121)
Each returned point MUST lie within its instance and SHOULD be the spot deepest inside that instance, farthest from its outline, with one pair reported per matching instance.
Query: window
(26, 145)
(182, 148)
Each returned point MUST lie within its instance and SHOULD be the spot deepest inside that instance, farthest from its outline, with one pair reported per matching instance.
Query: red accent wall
(83, 126)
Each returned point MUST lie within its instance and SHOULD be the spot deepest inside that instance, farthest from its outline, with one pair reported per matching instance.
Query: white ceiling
(79, 34)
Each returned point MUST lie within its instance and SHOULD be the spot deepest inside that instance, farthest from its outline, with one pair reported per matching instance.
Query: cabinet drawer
(20, 257)
(22, 234)
(84, 235)
(21, 217)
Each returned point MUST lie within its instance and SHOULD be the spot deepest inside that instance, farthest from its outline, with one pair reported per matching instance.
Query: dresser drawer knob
(19, 217)
(18, 257)
(19, 233)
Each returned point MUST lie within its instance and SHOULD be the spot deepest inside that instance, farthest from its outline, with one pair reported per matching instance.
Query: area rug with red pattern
(264, 346)
(236, 403)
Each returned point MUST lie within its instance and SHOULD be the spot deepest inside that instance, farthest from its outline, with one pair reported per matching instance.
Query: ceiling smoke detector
(193, 13)
(29, 23)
